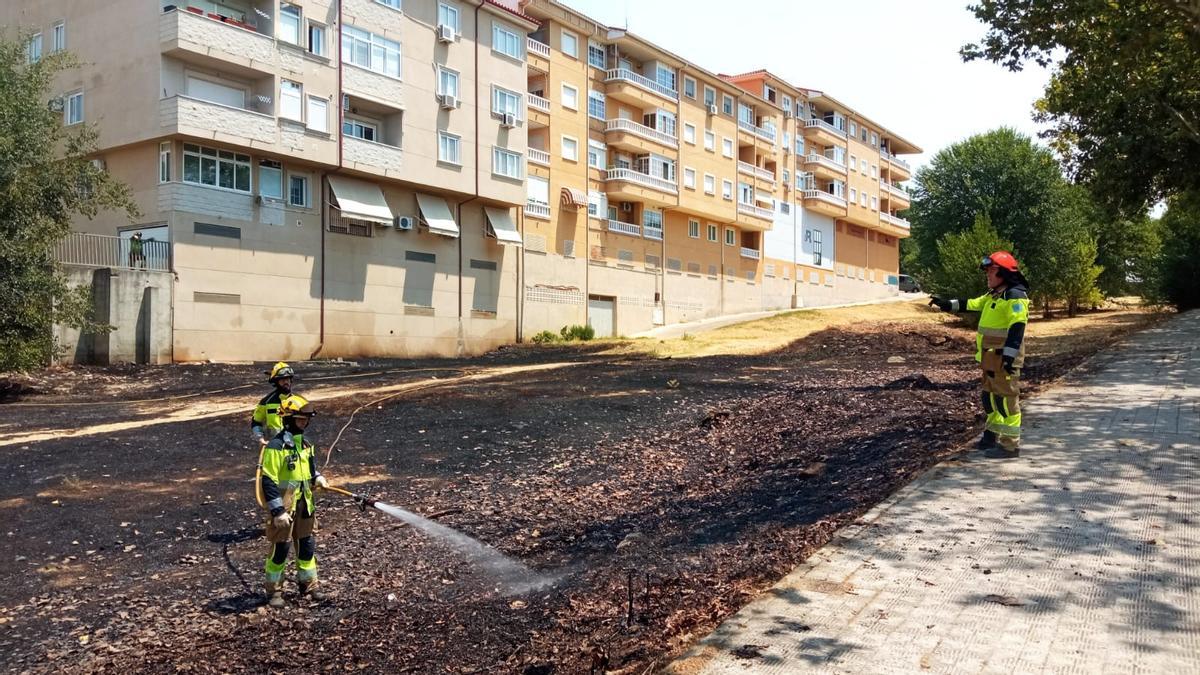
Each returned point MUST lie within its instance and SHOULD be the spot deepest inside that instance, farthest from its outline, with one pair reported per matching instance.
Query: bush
(544, 337)
(577, 333)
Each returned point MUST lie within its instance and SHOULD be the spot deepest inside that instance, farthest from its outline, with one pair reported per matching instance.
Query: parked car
(909, 284)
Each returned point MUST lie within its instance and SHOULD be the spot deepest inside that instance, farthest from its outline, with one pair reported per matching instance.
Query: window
(447, 81)
(689, 87)
(569, 44)
(359, 129)
(652, 219)
(164, 162)
(570, 148)
(710, 96)
(506, 163)
(506, 102)
(694, 229)
(290, 96)
(787, 102)
(862, 165)
(316, 39)
(74, 108)
(817, 249)
(727, 190)
(595, 204)
(745, 193)
(449, 148)
(689, 178)
(730, 236)
(710, 184)
(799, 147)
(507, 42)
(874, 171)
(597, 154)
(727, 147)
(785, 208)
(298, 191)
(665, 76)
(787, 177)
(596, 109)
(448, 16)
(874, 203)
(58, 40)
(853, 163)
(370, 51)
(570, 97)
(853, 129)
(862, 199)
(596, 57)
(216, 168)
(289, 23)
(727, 104)
(712, 232)
(318, 114)
(710, 141)
(33, 50)
(394, 4)
(853, 195)
(689, 133)
(874, 139)
(270, 179)
(864, 134)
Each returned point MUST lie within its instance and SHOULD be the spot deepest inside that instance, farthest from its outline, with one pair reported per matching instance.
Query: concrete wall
(136, 303)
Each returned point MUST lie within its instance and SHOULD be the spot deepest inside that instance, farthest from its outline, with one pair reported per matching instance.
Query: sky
(894, 61)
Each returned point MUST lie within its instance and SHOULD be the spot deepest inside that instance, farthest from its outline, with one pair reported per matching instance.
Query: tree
(1177, 278)
(958, 275)
(1124, 97)
(45, 181)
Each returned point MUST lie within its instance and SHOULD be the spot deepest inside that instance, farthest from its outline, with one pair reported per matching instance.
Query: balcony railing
(893, 189)
(751, 170)
(101, 250)
(826, 162)
(751, 253)
(641, 130)
(651, 232)
(893, 159)
(539, 157)
(653, 182)
(625, 228)
(894, 220)
(824, 196)
(626, 75)
(536, 209)
(540, 48)
(752, 210)
(538, 103)
(822, 124)
(762, 132)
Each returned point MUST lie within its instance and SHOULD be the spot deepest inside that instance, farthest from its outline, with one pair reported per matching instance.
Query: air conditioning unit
(712, 109)
(626, 207)
(787, 114)
(346, 102)
(445, 33)
(404, 222)
(448, 101)
(508, 120)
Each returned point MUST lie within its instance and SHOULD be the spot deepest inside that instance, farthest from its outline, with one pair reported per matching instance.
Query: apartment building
(409, 177)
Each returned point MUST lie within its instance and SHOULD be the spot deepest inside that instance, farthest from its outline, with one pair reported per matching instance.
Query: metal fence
(99, 250)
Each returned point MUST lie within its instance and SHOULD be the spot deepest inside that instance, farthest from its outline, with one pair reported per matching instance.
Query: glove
(283, 521)
(1008, 363)
(941, 303)
(321, 481)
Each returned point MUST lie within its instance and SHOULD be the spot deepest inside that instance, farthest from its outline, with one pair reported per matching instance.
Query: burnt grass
(691, 484)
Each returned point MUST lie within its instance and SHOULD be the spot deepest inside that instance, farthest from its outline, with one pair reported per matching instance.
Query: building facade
(378, 177)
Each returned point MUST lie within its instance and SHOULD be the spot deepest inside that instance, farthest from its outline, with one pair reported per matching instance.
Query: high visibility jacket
(1002, 321)
(265, 422)
(289, 467)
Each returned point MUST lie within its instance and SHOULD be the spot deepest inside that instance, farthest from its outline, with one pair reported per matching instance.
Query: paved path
(1082, 556)
(675, 330)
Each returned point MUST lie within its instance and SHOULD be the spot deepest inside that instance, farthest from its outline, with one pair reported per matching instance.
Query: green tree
(45, 181)
(1177, 275)
(1123, 101)
(958, 275)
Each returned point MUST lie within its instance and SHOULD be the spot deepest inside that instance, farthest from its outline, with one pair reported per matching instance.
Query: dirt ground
(686, 474)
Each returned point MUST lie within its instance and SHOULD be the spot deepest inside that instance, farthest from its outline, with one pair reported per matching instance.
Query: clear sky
(894, 61)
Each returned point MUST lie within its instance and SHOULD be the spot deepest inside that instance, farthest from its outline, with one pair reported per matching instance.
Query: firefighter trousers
(1001, 400)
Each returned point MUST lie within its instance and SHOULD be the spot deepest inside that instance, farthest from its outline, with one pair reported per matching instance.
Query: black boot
(1000, 452)
(312, 592)
(987, 441)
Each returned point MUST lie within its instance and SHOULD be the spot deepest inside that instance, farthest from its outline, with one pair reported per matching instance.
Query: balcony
(751, 253)
(824, 167)
(894, 220)
(620, 227)
(651, 232)
(377, 158)
(894, 193)
(214, 121)
(538, 55)
(539, 157)
(899, 167)
(638, 138)
(637, 90)
(537, 209)
(823, 202)
(765, 133)
(538, 103)
(823, 132)
(538, 111)
(199, 39)
(756, 211)
(373, 86)
(630, 185)
(758, 172)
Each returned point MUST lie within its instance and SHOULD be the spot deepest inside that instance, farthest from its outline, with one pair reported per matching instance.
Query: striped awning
(574, 199)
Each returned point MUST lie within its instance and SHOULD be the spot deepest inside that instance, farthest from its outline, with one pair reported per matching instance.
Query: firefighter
(288, 473)
(265, 422)
(999, 349)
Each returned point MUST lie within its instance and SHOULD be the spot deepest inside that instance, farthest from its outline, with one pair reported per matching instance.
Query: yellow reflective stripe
(994, 331)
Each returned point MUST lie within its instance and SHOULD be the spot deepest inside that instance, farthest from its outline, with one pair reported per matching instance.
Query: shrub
(577, 332)
(544, 337)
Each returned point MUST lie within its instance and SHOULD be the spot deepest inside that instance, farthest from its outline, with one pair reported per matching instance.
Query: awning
(360, 200)
(437, 215)
(574, 199)
(501, 226)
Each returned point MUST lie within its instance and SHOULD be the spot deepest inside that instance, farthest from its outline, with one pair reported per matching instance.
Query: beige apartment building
(411, 177)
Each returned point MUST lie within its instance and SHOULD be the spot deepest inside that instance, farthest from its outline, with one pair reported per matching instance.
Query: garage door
(600, 315)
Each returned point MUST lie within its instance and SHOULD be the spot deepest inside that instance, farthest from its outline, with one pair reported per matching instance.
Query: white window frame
(446, 141)
(447, 76)
(727, 190)
(693, 228)
(288, 20)
(874, 139)
(594, 97)
(853, 163)
(853, 195)
(318, 114)
(689, 178)
(727, 107)
(689, 133)
(507, 155)
(563, 97)
(503, 37)
(593, 47)
(569, 141)
(276, 171)
(601, 155)
(730, 236)
(450, 11)
(563, 37)
(356, 123)
(874, 203)
(307, 182)
(33, 48)
(394, 4)
(218, 156)
(501, 95)
(692, 81)
(58, 36)
(853, 129)
(316, 46)
(710, 184)
(73, 104)
(862, 165)
(358, 37)
(164, 162)
(291, 102)
(709, 90)
(726, 147)
(862, 199)
(714, 233)
(710, 141)
(874, 171)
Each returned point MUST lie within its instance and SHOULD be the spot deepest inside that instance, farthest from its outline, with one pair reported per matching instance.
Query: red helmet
(1002, 259)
